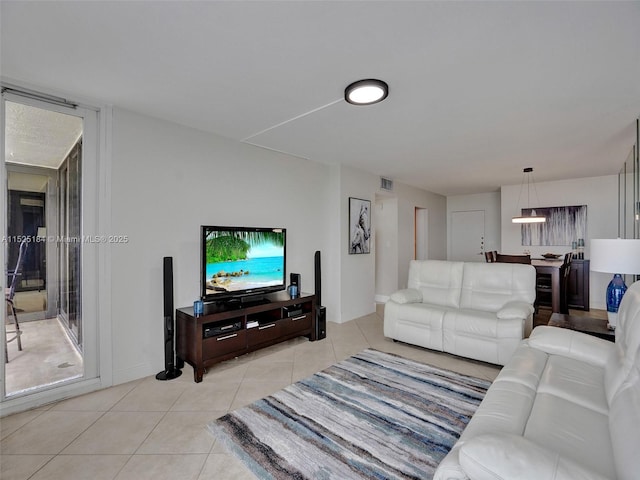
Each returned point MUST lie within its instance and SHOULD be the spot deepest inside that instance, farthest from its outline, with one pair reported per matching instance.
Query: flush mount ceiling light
(527, 175)
(366, 92)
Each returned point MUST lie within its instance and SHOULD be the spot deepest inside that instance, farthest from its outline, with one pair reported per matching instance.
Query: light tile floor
(47, 356)
(149, 429)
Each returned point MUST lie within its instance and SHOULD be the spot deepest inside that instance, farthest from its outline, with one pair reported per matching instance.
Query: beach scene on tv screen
(238, 260)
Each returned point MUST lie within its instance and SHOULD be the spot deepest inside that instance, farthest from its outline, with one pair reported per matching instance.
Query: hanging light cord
(529, 180)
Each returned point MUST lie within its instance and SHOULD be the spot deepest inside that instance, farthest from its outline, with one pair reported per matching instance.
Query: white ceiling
(27, 182)
(35, 136)
(478, 90)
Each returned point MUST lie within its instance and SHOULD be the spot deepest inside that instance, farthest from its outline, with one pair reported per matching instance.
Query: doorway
(42, 165)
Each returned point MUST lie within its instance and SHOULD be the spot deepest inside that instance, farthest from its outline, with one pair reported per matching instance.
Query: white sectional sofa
(566, 406)
(475, 310)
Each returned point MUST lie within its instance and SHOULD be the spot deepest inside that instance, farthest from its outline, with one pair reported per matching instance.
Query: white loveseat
(475, 310)
(566, 406)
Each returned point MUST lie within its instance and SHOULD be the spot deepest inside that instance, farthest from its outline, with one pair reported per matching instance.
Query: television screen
(241, 260)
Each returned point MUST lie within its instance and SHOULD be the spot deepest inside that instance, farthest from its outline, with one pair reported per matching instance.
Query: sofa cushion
(576, 381)
(415, 323)
(489, 286)
(504, 409)
(439, 281)
(624, 422)
(481, 335)
(573, 431)
(500, 457)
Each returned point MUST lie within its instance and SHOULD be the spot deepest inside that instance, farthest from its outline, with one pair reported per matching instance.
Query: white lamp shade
(619, 255)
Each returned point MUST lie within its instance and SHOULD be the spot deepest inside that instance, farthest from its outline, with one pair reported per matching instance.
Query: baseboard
(135, 372)
(49, 396)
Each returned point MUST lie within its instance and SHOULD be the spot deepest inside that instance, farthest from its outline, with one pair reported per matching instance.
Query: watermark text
(66, 239)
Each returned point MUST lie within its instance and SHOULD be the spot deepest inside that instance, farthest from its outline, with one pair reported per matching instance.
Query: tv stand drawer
(224, 344)
(267, 332)
(298, 323)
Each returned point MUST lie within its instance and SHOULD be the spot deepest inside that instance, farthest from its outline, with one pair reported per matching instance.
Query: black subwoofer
(321, 323)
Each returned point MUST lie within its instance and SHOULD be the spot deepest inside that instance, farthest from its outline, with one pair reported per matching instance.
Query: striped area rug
(373, 415)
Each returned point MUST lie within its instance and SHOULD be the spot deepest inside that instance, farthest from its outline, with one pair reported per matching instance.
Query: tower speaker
(295, 280)
(321, 312)
(170, 371)
(318, 280)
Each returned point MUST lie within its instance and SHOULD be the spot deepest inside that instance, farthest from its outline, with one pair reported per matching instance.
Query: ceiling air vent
(386, 184)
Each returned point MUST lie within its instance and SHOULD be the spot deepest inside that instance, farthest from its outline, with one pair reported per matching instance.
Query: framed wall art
(564, 225)
(359, 226)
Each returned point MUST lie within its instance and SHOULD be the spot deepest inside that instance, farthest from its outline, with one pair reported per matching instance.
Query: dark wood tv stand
(227, 331)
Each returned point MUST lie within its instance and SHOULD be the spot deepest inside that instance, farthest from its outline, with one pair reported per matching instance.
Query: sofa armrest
(515, 310)
(408, 295)
(569, 343)
(506, 456)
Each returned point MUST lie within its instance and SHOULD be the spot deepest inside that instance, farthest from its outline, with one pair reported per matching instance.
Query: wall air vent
(386, 184)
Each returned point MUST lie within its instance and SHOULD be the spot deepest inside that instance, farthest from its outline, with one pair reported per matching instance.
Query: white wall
(365, 278)
(395, 234)
(600, 194)
(331, 285)
(386, 240)
(408, 199)
(490, 203)
(168, 180)
(357, 272)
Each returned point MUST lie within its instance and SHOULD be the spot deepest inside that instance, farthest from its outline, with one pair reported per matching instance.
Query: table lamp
(618, 256)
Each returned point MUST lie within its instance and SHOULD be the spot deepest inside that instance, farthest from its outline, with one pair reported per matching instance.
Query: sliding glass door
(69, 250)
(42, 166)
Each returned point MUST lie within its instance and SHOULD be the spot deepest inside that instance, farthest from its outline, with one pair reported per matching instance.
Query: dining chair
(544, 288)
(503, 258)
(564, 283)
(490, 256)
(9, 294)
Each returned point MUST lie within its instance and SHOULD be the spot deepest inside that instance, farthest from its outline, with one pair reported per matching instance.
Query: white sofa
(475, 310)
(566, 406)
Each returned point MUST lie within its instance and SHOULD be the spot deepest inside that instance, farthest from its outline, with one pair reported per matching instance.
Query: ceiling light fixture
(366, 92)
(532, 218)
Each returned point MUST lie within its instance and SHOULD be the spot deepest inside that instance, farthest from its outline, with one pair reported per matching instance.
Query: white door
(467, 236)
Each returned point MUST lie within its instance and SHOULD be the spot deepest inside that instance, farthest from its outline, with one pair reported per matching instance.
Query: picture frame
(564, 225)
(359, 226)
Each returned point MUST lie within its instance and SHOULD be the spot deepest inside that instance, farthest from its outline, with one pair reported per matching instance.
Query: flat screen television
(241, 262)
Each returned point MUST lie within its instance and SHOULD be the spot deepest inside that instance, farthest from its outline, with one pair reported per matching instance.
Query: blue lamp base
(615, 291)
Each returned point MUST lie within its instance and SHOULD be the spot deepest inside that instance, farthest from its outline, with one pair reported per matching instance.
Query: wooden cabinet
(225, 331)
(578, 285)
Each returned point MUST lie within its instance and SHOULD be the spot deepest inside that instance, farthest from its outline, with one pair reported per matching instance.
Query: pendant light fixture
(366, 92)
(527, 175)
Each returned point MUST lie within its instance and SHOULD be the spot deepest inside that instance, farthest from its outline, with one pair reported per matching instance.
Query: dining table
(550, 266)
